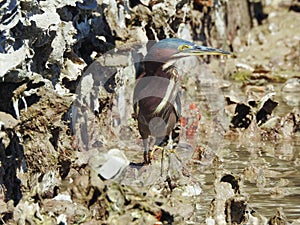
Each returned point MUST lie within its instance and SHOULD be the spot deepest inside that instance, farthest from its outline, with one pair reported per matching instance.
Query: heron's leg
(176, 155)
(152, 151)
(151, 154)
(170, 150)
(146, 151)
(174, 140)
(162, 162)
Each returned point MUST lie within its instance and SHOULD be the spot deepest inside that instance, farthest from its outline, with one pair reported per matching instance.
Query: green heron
(156, 95)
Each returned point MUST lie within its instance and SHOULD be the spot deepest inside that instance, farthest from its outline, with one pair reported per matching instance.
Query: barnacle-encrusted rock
(291, 91)
(49, 169)
(9, 14)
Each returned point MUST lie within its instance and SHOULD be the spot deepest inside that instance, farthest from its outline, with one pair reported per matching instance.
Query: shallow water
(288, 168)
(280, 176)
(269, 171)
(275, 184)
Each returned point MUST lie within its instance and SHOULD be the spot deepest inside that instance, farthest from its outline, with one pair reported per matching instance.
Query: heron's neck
(159, 69)
(152, 67)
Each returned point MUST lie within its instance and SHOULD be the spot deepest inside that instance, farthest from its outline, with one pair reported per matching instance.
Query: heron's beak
(203, 50)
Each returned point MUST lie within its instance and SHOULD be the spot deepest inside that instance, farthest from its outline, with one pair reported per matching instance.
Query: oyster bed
(70, 152)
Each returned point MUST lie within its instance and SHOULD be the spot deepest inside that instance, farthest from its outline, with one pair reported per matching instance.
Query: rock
(291, 90)
(10, 60)
(278, 219)
(190, 190)
(115, 163)
(10, 14)
(7, 120)
(235, 211)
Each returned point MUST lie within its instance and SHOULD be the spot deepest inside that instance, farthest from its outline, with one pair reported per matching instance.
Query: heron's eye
(183, 47)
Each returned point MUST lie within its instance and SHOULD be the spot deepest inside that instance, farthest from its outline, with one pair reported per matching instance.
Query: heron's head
(173, 48)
